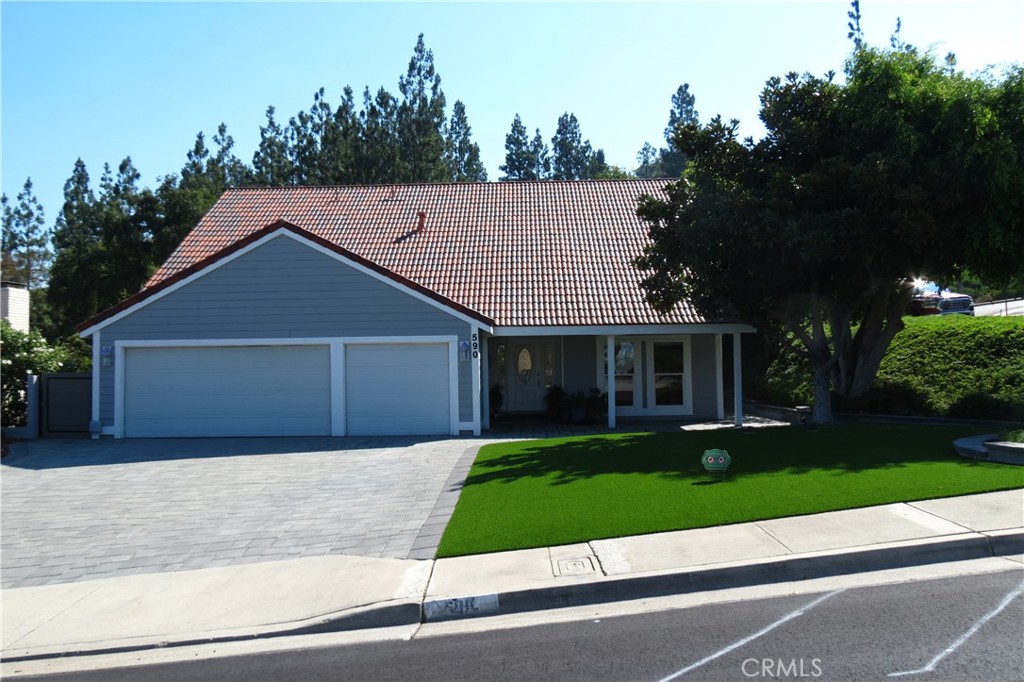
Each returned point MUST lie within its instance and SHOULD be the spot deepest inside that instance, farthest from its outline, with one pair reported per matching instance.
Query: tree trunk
(821, 412)
(860, 360)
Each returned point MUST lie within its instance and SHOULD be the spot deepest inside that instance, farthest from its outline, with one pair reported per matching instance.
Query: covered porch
(642, 373)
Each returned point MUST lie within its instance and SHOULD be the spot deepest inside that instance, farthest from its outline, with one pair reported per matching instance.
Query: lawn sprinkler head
(716, 460)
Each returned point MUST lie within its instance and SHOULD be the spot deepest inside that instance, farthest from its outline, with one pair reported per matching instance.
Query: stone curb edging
(390, 614)
(987, 448)
(816, 565)
(959, 547)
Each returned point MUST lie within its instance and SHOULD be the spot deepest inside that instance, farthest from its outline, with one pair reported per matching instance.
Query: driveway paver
(82, 509)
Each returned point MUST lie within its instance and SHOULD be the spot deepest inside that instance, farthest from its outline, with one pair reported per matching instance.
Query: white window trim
(637, 409)
(643, 376)
(337, 350)
(687, 407)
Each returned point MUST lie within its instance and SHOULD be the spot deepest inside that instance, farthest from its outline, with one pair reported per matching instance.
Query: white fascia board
(282, 232)
(288, 341)
(627, 330)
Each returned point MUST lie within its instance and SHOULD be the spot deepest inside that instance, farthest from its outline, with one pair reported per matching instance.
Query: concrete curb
(959, 547)
(382, 615)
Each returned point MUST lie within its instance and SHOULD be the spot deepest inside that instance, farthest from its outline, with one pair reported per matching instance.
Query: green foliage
(669, 162)
(613, 173)
(421, 121)
(525, 159)
(462, 154)
(26, 254)
(960, 366)
(28, 353)
(107, 245)
(567, 490)
(572, 157)
(948, 366)
(821, 223)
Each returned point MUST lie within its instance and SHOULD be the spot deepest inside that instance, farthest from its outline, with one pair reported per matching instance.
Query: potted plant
(555, 403)
(497, 399)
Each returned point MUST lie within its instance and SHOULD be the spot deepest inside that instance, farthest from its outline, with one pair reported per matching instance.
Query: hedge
(950, 366)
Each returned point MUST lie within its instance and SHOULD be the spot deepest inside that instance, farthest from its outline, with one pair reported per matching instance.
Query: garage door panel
(397, 389)
(228, 391)
(391, 375)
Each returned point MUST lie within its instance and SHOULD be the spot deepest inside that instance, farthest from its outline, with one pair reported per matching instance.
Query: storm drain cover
(575, 566)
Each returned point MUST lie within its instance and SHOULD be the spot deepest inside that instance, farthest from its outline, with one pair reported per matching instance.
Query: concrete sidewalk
(336, 593)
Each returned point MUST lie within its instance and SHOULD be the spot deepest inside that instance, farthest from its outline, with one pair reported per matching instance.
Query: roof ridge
(496, 183)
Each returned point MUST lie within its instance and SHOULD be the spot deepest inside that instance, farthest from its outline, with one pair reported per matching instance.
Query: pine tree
(271, 166)
(524, 159)
(571, 155)
(78, 262)
(421, 120)
(26, 254)
(463, 155)
(682, 113)
(377, 149)
(540, 158)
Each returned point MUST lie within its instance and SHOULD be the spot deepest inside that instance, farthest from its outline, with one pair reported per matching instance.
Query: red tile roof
(520, 253)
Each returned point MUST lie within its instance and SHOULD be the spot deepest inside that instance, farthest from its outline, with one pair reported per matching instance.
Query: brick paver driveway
(83, 509)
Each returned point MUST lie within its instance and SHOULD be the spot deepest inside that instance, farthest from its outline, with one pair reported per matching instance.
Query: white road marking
(964, 637)
(746, 640)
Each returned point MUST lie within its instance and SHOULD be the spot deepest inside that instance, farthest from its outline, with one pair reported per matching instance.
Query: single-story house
(397, 310)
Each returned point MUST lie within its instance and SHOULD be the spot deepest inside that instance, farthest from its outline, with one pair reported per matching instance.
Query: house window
(669, 363)
(625, 374)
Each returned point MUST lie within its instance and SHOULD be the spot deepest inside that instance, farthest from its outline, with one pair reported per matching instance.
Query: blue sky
(105, 81)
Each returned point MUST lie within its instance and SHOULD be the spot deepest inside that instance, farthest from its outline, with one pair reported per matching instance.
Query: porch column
(485, 367)
(719, 379)
(610, 354)
(737, 381)
(474, 358)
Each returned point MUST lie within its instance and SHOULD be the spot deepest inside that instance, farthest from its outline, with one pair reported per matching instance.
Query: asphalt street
(965, 628)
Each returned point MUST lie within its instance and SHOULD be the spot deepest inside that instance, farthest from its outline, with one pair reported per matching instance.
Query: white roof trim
(281, 232)
(626, 330)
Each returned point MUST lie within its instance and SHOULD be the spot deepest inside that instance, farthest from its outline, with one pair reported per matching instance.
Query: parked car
(930, 299)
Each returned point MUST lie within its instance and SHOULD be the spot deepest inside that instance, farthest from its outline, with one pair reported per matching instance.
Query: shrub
(955, 366)
(23, 353)
(961, 366)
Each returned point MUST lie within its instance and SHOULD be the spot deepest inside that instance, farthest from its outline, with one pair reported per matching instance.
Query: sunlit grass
(565, 490)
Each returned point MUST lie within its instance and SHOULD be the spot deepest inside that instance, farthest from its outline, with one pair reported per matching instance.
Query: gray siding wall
(580, 362)
(284, 289)
(702, 357)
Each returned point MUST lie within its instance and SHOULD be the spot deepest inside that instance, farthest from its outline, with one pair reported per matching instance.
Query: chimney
(422, 215)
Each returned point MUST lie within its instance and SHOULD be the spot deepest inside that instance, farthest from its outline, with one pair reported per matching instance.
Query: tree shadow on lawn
(783, 450)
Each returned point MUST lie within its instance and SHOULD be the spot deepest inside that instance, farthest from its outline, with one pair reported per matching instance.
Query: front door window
(524, 366)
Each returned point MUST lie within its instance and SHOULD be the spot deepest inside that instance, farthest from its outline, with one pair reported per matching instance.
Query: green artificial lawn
(565, 490)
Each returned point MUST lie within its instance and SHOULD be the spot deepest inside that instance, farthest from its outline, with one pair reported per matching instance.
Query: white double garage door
(286, 390)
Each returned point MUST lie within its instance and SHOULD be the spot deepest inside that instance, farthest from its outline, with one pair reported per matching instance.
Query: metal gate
(66, 399)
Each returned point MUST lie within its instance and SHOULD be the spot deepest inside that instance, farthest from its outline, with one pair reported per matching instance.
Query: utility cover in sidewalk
(575, 566)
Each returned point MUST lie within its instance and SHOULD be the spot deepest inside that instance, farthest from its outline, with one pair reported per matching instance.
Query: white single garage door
(228, 391)
(397, 389)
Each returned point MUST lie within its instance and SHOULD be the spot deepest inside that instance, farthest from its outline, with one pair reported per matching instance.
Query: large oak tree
(908, 168)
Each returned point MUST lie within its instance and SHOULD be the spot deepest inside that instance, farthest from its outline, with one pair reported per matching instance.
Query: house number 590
(476, 347)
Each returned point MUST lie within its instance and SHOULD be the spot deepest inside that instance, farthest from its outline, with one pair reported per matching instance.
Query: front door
(526, 380)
